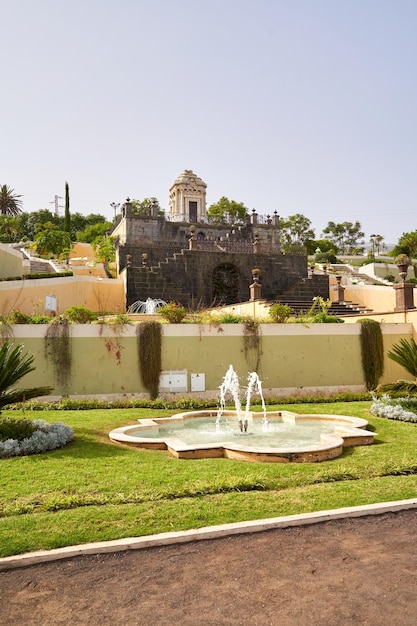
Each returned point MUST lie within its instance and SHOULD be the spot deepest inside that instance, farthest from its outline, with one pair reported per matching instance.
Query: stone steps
(339, 309)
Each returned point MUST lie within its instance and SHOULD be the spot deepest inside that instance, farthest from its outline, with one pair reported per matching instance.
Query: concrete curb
(208, 532)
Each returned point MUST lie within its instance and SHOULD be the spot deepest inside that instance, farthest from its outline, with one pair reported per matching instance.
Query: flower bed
(44, 437)
(402, 409)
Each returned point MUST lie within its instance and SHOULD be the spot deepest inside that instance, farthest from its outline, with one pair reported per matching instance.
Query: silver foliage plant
(395, 408)
(45, 437)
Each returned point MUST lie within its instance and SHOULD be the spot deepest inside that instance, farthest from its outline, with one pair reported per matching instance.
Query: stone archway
(225, 284)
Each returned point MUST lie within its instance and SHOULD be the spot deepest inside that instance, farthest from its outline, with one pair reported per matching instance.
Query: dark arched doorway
(225, 284)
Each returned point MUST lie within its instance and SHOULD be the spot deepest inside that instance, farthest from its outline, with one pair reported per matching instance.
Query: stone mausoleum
(185, 258)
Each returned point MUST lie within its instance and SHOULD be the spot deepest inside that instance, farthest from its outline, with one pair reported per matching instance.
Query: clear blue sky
(299, 106)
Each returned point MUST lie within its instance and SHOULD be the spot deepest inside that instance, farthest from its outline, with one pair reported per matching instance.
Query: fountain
(278, 436)
(148, 307)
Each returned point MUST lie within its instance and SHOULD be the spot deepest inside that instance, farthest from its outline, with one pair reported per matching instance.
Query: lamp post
(115, 206)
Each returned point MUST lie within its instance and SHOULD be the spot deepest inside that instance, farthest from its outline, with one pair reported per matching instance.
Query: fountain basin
(285, 436)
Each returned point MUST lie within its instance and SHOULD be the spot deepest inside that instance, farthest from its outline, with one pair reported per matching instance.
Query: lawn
(96, 490)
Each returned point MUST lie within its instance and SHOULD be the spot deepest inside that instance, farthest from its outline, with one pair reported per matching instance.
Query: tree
(377, 243)
(67, 216)
(53, 243)
(407, 244)
(10, 203)
(10, 228)
(227, 212)
(405, 354)
(14, 364)
(347, 237)
(295, 230)
(146, 207)
(105, 252)
(91, 232)
(315, 246)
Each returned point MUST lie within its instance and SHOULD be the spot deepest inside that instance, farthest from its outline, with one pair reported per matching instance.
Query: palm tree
(405, 354)
(10, 203)
(14, 364)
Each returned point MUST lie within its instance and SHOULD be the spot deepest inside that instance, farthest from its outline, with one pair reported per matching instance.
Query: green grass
(95, 490)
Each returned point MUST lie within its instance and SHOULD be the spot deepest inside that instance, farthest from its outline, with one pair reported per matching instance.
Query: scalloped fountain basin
(281, 437)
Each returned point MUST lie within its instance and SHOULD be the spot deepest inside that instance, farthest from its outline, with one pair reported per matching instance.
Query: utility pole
(58, 206)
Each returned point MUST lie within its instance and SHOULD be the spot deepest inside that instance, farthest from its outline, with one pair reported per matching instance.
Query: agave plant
(405, 354)
(14, 364)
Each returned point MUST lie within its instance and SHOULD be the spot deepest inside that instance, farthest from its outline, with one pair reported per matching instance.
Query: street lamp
(115, 206)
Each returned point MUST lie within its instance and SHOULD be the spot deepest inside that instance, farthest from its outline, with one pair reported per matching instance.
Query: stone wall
(190, 276)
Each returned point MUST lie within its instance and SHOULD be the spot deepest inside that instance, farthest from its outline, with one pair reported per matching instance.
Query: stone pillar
(404, 296)
(255, 291)
(340, 290)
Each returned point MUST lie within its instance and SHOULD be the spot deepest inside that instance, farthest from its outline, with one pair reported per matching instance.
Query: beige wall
(295, 359)
(376, 297)
(28, 296)
(11, 262)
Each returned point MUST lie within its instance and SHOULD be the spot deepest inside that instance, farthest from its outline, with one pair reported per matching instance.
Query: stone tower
(187, 198)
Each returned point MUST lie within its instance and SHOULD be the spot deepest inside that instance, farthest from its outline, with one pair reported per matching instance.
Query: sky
(298, 106)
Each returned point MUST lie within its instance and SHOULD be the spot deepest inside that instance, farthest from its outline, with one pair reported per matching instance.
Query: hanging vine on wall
(252, 343)
(149, 336)
(113, 342)
(58, 351)
(372, 352)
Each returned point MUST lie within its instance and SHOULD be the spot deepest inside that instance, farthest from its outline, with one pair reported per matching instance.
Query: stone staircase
(339, 309)
(306, 289)
(356, 276)
(38, 266)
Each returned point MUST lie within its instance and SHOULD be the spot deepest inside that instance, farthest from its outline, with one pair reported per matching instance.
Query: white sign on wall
(173, 381)
(50, 303)
(198, 382)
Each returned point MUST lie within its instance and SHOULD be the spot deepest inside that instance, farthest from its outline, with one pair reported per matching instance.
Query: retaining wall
(294, 358)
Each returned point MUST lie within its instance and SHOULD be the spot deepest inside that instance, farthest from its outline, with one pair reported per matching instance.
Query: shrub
(79, 314)
(229, 318)
(399, 388)
(18, 317)
(172, 313)
(325, 257)
(279, 313)
(39, 319)
(15, 429)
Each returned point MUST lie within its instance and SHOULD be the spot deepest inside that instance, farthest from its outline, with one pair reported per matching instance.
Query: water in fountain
(254, 382)
(149, 307)
(230, 385)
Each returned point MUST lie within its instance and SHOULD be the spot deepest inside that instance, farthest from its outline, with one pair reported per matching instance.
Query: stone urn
(402, 262)
(255, 275)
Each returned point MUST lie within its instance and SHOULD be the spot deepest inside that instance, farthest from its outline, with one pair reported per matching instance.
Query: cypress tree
(67, 216)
